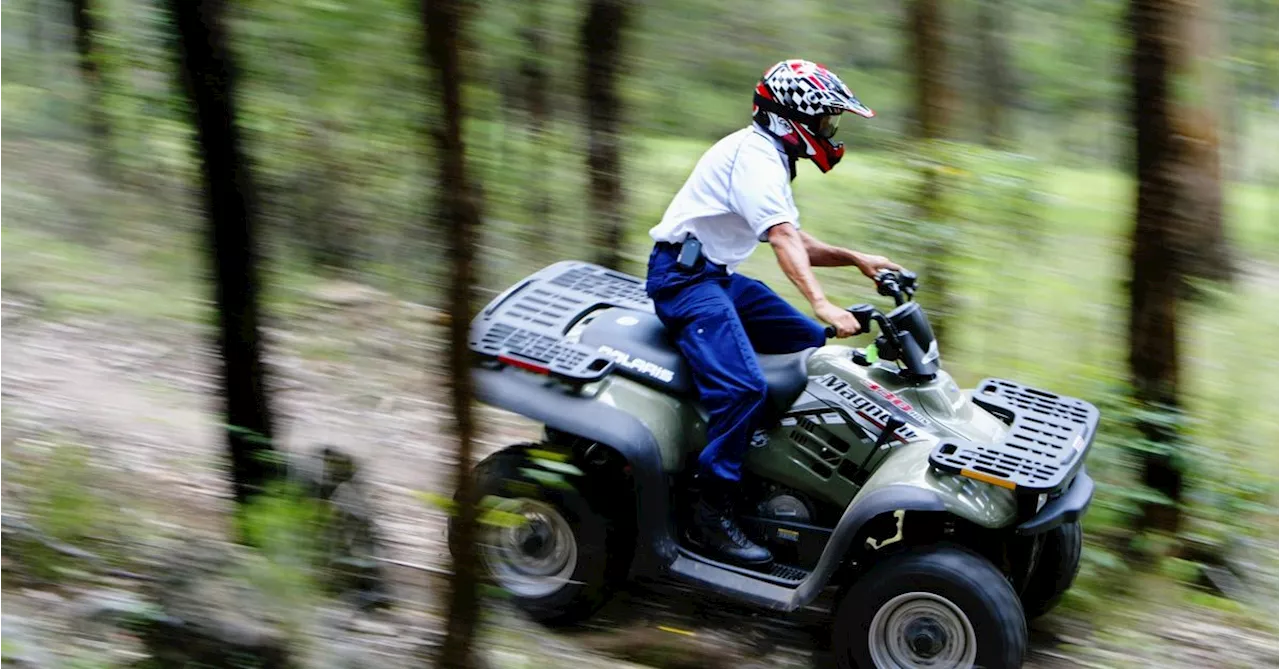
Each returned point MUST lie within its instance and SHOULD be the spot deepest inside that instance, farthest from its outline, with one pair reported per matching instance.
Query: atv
(943, 519)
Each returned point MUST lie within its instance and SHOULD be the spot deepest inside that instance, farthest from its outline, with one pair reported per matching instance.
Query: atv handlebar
(900, 285)
(862, 313)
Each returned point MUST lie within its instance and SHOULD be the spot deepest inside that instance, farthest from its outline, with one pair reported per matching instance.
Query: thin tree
(600, 43)
(37, 41)
(458, 212)
(993, 59)
(1177, 234)
(534, 89)
(87, 58)
(1200, 125)
(209, 77)
(927, 56)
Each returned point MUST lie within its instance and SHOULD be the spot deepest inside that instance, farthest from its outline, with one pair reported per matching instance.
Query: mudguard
(886, 499)
(905, 482)
(547, 402)
(745, 586)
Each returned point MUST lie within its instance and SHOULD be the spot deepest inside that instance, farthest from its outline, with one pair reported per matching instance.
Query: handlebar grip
(830, 331)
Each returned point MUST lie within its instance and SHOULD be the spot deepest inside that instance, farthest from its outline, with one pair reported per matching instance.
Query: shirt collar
(787, 159)
(777, 143)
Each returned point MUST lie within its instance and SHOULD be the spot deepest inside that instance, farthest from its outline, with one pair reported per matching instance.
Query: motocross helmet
(800, 103)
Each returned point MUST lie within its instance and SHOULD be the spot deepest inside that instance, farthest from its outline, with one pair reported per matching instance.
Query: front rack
(1043, 449)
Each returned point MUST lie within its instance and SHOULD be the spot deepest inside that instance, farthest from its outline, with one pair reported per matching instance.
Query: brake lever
(887, 283)
(909, 282)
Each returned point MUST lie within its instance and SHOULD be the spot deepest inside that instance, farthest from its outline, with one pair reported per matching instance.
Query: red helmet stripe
(818, 154)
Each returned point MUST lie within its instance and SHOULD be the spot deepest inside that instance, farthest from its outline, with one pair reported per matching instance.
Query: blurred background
(333, 210)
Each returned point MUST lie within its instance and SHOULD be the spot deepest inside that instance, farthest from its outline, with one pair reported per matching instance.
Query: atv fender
(886, 499)
(906, 482)
(587, 416)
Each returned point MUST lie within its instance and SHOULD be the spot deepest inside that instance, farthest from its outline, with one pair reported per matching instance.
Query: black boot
(715, 531)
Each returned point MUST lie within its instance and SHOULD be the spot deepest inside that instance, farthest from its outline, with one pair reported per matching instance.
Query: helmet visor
(827, 126)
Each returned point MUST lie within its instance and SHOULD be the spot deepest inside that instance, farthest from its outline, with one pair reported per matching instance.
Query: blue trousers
(720, 321)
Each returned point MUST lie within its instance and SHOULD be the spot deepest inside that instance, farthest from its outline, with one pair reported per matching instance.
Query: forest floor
(355, 368)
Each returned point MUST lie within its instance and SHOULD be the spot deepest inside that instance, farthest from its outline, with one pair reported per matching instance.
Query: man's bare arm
(822, 254)
(793, 258)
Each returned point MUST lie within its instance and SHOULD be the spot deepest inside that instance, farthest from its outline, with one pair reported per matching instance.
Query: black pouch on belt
(690, 257)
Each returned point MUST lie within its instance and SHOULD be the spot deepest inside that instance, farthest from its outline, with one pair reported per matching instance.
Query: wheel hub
(534, 556)
(921, 629)
(926, 637)
(535, 538)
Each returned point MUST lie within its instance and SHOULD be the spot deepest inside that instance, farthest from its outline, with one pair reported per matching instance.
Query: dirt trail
(358, 376)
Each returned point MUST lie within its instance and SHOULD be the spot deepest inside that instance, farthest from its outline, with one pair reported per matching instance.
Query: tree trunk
(928, 53)
(1198, 129)
(36, 28)
(208, 77)
(994, 99)
(458, 210)
(91, 74)
(1156, 279)
(927, 56)
(1178, 228)
(601, 45)
(533, 76)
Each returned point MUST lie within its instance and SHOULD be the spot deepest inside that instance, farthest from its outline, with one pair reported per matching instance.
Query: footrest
(543, 354)
(788, 573)
(1043, 449)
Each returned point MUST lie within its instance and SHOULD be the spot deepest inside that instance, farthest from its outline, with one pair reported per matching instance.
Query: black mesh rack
(531, 350)
(1043, 449)
(526, 324)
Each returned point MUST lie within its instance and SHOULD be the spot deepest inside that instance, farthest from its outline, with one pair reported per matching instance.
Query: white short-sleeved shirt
(739, 189)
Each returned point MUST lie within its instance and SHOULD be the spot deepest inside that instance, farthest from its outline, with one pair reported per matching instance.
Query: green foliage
(69, 510)
(254, 437)
(70, 517)
(491, 512)
(287, 528)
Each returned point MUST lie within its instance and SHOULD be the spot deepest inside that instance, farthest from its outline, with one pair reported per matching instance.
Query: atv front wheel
(1055, 570)
(936, 607)
(547, 545)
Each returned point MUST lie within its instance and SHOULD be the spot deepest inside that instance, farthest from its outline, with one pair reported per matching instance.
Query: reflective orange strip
(987, 478)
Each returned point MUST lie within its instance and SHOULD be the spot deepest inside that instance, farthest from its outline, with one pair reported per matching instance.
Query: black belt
(689, 257)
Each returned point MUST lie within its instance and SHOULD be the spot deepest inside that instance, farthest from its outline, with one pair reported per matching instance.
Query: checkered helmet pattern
(792, 95)
(810, 89)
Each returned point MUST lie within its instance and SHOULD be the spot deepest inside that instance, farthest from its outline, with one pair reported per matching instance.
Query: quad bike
(942, 518)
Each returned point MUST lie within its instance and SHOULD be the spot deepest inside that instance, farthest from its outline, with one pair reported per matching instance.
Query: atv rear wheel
(938, 607)
(548, 544)
(1055, 570)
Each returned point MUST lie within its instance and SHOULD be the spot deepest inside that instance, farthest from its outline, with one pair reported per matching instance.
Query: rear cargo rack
(526, 325)
(1043, 449)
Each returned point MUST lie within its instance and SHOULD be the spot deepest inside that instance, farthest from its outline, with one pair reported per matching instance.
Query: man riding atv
(738, 195)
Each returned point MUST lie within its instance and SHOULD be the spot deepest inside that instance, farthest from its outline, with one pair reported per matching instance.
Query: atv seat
(644, 353)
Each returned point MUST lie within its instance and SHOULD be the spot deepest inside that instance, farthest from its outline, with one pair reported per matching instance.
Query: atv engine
(783, 522)
(785, 506)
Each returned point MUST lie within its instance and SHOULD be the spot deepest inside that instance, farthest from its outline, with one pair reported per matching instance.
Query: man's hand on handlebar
(871, 265)
(844, 323)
